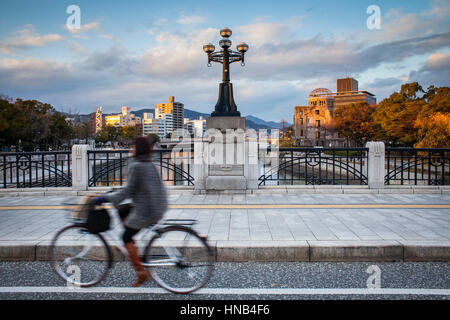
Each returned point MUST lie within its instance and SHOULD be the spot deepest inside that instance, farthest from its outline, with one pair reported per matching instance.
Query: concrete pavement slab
(335, 232)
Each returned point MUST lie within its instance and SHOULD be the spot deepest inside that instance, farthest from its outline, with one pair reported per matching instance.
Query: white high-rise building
(196, 128)
(161, 125)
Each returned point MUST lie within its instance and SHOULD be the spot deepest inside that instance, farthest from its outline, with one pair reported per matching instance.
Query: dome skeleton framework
(321, 92)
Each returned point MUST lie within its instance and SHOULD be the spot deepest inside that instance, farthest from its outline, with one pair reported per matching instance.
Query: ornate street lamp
(225, 106)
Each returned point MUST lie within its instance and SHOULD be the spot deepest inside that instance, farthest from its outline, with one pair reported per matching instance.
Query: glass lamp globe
(209, 48)
(225, 43)
(242, 47)
(225, 32)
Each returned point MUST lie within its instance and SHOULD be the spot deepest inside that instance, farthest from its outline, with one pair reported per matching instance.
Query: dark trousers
(129, 233)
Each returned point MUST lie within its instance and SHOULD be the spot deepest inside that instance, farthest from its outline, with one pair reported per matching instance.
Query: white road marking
(236, 291)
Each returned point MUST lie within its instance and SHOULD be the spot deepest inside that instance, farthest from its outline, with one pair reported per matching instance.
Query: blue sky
(137, 53)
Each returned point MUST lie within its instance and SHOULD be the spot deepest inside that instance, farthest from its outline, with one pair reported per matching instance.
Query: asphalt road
(248, 281)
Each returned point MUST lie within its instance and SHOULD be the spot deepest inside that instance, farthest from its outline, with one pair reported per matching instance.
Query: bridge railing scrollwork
(110, 167)
(417, 166)
(35, 169)
(316, 166)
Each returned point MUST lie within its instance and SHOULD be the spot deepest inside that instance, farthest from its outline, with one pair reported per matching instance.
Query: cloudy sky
(137, 53)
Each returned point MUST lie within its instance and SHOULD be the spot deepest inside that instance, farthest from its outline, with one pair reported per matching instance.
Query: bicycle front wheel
(179, 259)
(80, 258)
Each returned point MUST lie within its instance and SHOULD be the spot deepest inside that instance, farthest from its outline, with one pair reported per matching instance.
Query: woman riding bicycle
(149, 197)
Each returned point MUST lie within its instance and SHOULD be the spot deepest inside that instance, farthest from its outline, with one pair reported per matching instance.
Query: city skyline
(138, 54)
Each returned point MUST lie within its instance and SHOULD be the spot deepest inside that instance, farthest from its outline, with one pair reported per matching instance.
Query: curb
(274, 251)
(295, 189)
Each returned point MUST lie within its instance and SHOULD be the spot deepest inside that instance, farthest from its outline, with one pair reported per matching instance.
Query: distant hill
(251, 121)
(191, 114)
(270, 124)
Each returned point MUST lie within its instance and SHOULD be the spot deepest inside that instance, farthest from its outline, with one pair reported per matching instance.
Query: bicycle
(177, 257)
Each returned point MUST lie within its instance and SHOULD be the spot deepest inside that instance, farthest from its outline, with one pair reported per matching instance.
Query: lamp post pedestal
(225, 106)
(225, 122)
(226, 145)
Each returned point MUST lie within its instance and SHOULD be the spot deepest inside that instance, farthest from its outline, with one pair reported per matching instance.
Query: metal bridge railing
(286, 166)
(110, 167)
(314, 166)
(417, 166)
(35, 169)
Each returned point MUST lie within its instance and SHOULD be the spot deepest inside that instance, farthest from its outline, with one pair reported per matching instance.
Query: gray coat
(147, 192)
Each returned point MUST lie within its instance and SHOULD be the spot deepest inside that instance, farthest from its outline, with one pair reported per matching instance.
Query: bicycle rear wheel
(80, 258)
(179, 259)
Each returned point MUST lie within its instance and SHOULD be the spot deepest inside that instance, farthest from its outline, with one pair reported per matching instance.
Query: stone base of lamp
(224, 123)
(227, 162)
(220, 183)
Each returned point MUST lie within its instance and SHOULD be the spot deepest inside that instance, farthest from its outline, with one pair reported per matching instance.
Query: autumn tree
(433, 122)
(396, 115)
(434, 131)
(289, 133)
(405, 118)
(354, 121)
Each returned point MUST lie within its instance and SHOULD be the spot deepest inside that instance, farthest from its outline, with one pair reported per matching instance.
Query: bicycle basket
(83, 207)
(98, 221)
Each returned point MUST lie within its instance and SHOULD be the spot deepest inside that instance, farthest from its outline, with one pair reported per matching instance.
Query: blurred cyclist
(149, 197)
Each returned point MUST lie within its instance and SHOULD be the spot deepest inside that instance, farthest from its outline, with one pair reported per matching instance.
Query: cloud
(158, 26)
(397, 25)
(385, 82)
(318, 57)
(25, 38)
(262, 33)
(108, 36)
(176, 55)
(282, 66)
(437, 61)
(31, 74)
(114, 60)
(435, 71)
(83, 28)
(190, 20)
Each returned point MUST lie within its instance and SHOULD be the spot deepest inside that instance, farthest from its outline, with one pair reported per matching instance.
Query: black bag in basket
(98, 221)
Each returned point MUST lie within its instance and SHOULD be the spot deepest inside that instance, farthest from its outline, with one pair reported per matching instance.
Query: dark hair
(144, 148)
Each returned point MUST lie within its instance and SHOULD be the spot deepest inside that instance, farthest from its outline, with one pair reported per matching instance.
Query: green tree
(155, 137)
(82, 131)
(61, 130)
(129, 133)
(37, 130)
(12, 122)
(33, 124)
(108, 134)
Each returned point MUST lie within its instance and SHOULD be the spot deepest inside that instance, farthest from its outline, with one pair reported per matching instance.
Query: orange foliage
(434, 131)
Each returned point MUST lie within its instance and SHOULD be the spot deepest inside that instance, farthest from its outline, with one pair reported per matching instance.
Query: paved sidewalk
(267, 227)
